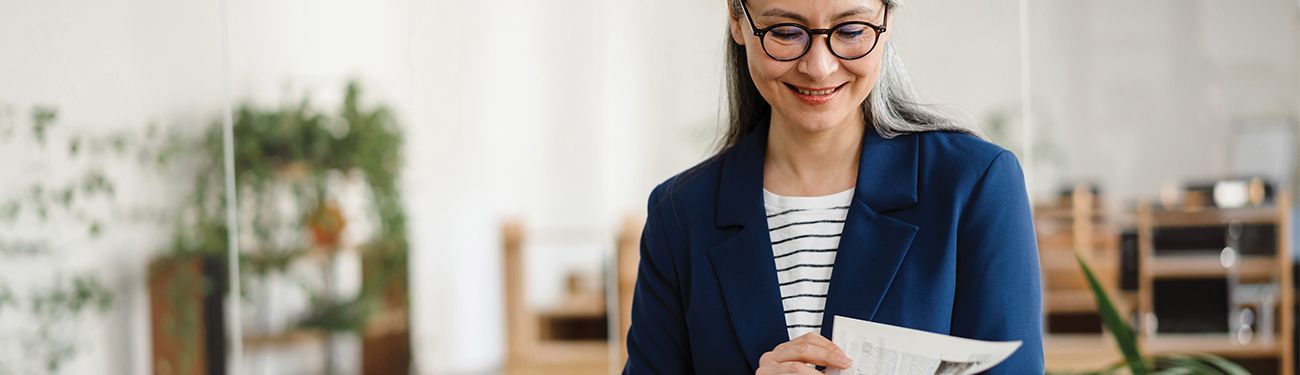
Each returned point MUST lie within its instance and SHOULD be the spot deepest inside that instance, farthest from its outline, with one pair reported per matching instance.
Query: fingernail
(845, 361)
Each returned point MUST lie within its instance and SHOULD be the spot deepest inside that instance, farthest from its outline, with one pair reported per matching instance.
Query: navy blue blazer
(939, 238)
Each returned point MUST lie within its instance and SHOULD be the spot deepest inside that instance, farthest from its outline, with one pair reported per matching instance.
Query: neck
(810, 163)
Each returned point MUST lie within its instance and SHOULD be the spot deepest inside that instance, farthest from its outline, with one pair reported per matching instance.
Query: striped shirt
(805, 234)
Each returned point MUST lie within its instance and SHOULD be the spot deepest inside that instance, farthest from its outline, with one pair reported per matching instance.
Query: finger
(798, 368)
(821, 341)
(817, 339)
(808, 352)
(787, 368)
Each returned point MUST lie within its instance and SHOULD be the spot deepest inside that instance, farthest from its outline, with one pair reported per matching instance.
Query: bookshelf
(1178, 271)
(568, 337)
(1251, 270)
(1075, 223)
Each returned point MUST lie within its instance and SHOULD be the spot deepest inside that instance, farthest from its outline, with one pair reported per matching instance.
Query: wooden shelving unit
(1075, 223)
(1268, 269)
(1195, 267)
(629, 257)
(538, 339)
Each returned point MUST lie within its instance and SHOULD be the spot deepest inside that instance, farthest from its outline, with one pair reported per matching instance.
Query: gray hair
(892, 108)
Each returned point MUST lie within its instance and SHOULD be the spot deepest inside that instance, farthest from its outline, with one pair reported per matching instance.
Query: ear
(733, 23)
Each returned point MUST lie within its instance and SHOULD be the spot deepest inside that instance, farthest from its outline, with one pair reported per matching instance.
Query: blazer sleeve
(657, 340)
(998, 293)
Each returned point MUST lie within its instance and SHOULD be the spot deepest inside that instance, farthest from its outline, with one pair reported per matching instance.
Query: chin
(815, 126)
(813, 121)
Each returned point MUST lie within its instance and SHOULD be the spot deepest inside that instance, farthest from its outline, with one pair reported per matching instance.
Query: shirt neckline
(773, 200)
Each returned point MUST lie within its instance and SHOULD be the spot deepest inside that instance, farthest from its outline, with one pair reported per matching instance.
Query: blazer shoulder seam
(979, 185)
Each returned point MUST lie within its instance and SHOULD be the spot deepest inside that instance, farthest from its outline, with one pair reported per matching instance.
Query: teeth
(815, 93)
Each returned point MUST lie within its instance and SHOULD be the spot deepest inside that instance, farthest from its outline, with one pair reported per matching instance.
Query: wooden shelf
(584, 357)
(1214, 216)
(1063, 259)
(1070, 301)
(1088, 352)
(295, 337)
(1202, 266)
(1213, 343)
(580, 306)
(1082, 301)
(1063, 213)
(386, 323)
(382, 323)
(1079, 352)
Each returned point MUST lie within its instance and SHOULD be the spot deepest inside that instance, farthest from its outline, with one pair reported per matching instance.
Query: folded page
(884, 349)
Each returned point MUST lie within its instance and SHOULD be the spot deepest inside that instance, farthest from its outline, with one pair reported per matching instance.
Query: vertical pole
(1295, 169)
(236, 354)
(1026, 99)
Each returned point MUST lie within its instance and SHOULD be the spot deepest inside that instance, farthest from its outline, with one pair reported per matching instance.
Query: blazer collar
(872, 245)
(887, 174)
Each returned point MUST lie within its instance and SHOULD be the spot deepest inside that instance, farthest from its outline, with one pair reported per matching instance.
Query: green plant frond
(1126, 339)
(1183, 365)
(1201, 362)
(1124, 335)
(1227, 366)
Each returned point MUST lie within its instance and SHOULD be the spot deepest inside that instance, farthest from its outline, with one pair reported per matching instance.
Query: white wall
(567, 126)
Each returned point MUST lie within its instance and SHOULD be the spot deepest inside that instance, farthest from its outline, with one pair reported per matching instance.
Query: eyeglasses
(790, 41)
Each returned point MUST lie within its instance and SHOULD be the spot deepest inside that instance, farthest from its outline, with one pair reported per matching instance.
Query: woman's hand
(794, 356)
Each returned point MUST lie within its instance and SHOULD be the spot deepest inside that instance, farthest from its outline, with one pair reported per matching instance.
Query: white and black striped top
(805, 233)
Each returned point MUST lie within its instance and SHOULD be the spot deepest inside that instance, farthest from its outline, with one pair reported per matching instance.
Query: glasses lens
(853, 40)
(785, 42)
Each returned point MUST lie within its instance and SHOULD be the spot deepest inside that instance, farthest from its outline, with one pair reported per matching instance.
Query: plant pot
(186, 315)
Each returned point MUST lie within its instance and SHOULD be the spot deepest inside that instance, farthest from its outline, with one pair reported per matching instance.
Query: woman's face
(817, 91)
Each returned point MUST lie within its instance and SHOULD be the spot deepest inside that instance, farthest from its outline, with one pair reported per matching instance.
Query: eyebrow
(778, 12)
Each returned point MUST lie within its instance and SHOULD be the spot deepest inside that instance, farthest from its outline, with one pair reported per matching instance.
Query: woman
(835, 193)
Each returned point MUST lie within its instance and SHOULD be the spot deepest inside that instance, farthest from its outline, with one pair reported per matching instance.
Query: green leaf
(74, 146)
(42, 119)
(9, 210)
(1197, 363)
(1124, 335)
(1227, 366)
(6, 296)
(66, 197)
(1183, 364)
(119, 143)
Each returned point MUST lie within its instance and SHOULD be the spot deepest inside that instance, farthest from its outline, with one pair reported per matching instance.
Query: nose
(819, 62)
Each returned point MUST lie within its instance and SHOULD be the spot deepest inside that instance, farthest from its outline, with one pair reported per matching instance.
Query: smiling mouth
(813, 91)
(815, 96)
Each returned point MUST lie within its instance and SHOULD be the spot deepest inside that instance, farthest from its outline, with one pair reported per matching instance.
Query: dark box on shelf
(1255, 239)
(1190, 305)
(1128, 260)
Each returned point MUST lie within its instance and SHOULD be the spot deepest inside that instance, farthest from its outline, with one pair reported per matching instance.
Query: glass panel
(1164, 141)
(1133, 96)
(98, 103)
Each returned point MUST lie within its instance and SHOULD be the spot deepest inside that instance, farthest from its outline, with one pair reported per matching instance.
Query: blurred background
(457, 187)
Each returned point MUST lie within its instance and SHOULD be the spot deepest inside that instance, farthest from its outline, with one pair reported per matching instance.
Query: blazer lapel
(873, 245)
(747, 274)
(743, 263)
(872, 248)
